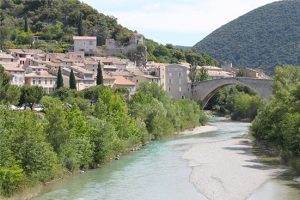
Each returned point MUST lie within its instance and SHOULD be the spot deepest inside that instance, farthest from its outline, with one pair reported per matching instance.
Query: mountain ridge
(266, 37)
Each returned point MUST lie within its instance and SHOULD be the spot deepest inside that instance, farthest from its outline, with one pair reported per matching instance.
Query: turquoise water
(157, 172)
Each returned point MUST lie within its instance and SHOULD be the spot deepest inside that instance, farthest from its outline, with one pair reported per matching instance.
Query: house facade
(86, 44)
(42, 79)
(174, 79)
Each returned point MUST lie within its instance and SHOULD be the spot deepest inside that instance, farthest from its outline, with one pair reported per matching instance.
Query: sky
(178, 22)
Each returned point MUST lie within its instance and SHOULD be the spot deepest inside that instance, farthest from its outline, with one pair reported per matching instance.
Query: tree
(31, 95)
(242, 73)
(193, 73)
(203, 75)
(55, 127)
(26, 27)
(99, 75)
(60, 81)
(72, 80)
(80, 26)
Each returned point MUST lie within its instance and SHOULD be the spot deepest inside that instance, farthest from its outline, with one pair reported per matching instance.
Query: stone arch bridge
(203, 91)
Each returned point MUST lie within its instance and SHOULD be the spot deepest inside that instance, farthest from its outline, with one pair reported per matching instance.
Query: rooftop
(120, 80)
(42, 74)
(6, 56)
(26, 51)
(84, 38)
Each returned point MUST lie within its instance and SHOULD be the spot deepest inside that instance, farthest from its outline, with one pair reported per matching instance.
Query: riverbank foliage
(278, 123)
(80, 130)
(240, 102)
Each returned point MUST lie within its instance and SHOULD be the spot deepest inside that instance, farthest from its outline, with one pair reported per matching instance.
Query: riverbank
(227, 169)
(199, 130)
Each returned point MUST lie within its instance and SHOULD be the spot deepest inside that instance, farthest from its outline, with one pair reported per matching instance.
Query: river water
(158, 172)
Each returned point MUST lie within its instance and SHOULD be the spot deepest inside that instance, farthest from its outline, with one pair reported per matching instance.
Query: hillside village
(35, 67)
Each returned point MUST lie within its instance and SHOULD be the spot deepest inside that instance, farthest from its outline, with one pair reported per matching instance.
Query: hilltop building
(86, 44)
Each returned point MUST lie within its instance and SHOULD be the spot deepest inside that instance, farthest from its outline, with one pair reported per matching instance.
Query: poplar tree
(99, 75)
(59, 82)
(72, 80)
(26, 28)
(80, 27)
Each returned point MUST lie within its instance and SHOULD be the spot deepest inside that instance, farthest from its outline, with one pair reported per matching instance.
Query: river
(159, 172)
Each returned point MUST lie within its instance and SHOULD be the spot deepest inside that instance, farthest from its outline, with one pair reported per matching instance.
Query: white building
(42, 79)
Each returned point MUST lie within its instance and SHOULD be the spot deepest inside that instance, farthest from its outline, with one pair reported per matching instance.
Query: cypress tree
(99, 75)
(72, 80)
(80, 27)
(26, 28)
(59, 82)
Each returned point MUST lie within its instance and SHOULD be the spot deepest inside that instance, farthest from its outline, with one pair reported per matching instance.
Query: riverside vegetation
(240, 102)
(80, 130)
(277, 124)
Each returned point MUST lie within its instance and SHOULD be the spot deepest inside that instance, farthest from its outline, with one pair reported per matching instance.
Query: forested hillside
(266, 37)
(51, 24)
(55, 20)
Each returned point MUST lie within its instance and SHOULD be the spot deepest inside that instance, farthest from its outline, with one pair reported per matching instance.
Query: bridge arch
(203, 91)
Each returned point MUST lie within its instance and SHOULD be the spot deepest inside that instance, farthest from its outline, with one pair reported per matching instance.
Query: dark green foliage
(26, 27)
(72, 80)
(9, 94)
(161, 115)
(60, 81)
(31, 95)
(80, 30)
(266, 37)
(99, 78)
(56, 20)
(239, 101)
(27, 154)
(196, 75)
(170, 54)
(241, 73)
(278, 124)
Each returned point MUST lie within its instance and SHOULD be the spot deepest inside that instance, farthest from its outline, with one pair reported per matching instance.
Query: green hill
(51, 24)
(265, 37)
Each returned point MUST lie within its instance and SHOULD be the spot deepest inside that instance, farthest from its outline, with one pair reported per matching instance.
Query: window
(182, 97)
(170, 74)
(91, 42)
(50, 82)
(33, 82)
(179, 75)
(40, 81)
(179, 89)
(180, 81)
(170, 80)
(46, 81)
(169, 89)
